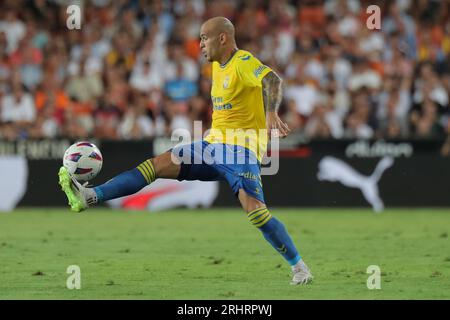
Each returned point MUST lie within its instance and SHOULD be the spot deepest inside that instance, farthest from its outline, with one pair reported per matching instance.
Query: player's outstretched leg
(276, 234)
(124, 184)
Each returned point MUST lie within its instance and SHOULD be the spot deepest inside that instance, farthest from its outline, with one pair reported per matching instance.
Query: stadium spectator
(324, 121)
(14, 28)
(106, 117)
(48, 120)
(84, 83)
(146, 76)
(357, 122)
(303, 93)
(17, 109)
(394, 104)
(140, 122)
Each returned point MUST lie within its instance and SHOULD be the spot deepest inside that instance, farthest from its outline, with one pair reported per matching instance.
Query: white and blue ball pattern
(83, 160)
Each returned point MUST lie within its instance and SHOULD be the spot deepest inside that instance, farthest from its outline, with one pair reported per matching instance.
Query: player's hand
(274, 122)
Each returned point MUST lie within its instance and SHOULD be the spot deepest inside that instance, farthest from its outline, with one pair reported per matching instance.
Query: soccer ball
(84, 160)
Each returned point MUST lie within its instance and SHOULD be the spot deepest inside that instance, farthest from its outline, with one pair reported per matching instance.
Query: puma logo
(333, 169)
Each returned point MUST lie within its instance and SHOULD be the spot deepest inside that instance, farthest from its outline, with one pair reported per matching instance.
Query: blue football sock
(275, 233)
(126, 183)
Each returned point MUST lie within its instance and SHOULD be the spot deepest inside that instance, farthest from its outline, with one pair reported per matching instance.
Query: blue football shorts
(235, 164)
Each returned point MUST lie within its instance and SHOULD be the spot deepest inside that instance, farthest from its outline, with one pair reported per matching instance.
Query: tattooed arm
(272, 95)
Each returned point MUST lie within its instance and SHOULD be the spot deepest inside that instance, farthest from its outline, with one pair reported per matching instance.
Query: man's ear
(222, 38)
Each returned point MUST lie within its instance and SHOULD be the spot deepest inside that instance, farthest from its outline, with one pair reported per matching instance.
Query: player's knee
(259, 216)
(248, 202)
(165, 167)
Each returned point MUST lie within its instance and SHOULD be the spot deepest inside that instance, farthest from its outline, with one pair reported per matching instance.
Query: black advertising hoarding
(43, 189)
(380, 173)
(313, 174)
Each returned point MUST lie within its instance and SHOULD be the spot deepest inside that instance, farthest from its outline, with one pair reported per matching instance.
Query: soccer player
(246, 96)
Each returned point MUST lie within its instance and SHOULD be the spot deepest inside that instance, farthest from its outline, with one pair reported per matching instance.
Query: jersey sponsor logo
(259, 70)
(226, 106)
(216, 99)
(249, 175)
(219, 105)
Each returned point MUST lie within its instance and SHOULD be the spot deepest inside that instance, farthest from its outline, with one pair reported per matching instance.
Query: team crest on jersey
(226, 82)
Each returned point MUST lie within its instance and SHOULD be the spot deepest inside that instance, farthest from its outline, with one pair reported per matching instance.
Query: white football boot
(301, 274)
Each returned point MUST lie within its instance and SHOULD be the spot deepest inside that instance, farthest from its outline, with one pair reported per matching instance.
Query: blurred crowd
(134, 70)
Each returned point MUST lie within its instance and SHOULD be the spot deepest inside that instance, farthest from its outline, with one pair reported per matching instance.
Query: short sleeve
(251, 70)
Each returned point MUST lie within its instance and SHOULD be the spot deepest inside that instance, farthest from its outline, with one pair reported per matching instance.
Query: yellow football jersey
(238, 109)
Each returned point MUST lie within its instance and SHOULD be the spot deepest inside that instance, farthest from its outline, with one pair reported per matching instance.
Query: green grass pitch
(217, 254)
